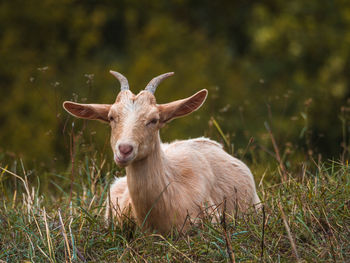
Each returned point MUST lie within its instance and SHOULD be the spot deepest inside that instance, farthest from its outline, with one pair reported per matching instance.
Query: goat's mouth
(123, 161)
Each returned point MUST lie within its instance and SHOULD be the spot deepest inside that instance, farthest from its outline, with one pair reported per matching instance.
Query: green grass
(310, 211)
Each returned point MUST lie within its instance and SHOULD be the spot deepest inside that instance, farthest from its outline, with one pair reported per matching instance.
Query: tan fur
(166, 182)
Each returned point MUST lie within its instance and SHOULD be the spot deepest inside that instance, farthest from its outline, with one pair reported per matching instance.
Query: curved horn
(124, 84)
(153, 84)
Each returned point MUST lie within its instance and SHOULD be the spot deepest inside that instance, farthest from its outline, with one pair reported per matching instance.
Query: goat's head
(136, 119)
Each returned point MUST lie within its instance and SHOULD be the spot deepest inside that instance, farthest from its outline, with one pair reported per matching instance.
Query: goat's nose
(125, 149)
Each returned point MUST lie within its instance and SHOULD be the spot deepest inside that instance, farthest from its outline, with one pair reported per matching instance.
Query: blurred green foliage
(284, 62)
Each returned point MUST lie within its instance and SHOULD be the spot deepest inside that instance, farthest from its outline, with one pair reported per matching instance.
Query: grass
(305, 218)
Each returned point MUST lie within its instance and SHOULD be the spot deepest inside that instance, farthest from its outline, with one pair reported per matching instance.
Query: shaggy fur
(165, 183)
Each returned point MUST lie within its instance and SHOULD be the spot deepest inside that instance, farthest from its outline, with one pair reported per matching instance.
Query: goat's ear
(182, 107)
(88, 111)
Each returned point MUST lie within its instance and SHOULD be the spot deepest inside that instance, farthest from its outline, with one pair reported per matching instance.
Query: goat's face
(135, 123)
(135, 119)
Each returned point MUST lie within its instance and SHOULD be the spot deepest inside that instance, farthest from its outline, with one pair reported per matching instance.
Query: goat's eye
(153, 121)
(111, 118)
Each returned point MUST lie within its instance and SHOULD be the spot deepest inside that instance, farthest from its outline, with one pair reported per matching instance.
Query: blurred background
(278, 64)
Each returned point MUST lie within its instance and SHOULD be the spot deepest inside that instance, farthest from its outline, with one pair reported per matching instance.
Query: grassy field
(306, 218)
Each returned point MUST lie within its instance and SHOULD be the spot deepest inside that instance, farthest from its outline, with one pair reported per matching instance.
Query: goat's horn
(124, 84)
(153, 84)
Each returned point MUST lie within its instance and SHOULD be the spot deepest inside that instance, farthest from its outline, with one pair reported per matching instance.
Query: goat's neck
(148, 180)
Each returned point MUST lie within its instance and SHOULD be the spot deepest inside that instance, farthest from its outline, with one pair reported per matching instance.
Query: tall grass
(306, 217)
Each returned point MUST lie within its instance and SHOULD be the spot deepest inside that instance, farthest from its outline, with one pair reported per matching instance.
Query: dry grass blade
(64, 234)
(217, 126)
(25, 184)
(172, 246)
(278, 156)
(48, 238)
(42, 251)
(289, 233)
(227, 236)
(263, 234)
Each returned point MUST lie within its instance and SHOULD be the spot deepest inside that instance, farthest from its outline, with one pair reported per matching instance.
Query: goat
(165, 183)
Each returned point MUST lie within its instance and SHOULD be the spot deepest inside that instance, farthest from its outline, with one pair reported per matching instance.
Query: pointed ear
(183, 107)
(88, 111)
